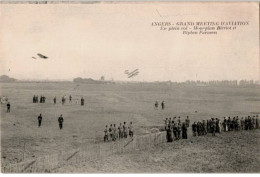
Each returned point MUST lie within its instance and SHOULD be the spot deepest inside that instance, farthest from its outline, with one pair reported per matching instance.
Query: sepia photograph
(129, 87)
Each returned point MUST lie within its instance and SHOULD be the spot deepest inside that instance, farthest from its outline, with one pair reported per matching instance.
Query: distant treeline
(213, 83)
(5, 78)
(225, 83)
(91, 81)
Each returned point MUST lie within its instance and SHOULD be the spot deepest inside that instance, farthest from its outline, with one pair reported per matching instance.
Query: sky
(105, 39)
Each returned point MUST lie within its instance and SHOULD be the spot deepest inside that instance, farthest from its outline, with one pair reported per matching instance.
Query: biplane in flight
(132, 74)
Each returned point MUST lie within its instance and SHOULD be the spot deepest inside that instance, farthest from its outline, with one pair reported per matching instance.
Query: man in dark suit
(60, 120)
(39, 120)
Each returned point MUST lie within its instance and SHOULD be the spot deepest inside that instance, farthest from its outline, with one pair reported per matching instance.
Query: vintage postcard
(129, 87)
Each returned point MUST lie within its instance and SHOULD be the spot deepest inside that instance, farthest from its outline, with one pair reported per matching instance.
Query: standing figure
(217, 126)
(131, 130)
(204, 127)
(106, 134)
(114, 133)
(110, 130)
(169, 134)
(246, 123)
(166, 123)
(194, 129)
(232, 125)
(208, 126)
(54, 100)
(179, 119)
(8, 107)
(125, 130)
(82, 101)
(250, 125)
(163, 105)
(253, 122)
(242, 123)
(256, 122)
(229, 123)
(70, 98)
(184, 131)
(63, 100)
(175, 130)
(213, 127)
(225, 124)
(188, 122)
(34, 101)
(39, 120)
(156, 105)
(178, 131)
(237, 123)
(198, 128)
(60, 120)
(120, 132)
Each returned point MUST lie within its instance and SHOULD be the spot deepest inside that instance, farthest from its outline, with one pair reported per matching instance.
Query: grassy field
(104, 105)
(231, 152)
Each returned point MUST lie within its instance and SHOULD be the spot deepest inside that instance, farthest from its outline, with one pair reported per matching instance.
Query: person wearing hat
(184, 131)
(8, 107)
(174, 130)
(170, 121)
(106, 134)
(60, 120)
(194, 129)
(82, 101)
(39, 120)
(125, 130)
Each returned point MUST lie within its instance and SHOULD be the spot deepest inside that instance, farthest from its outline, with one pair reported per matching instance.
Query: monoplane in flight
(42, 56)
